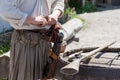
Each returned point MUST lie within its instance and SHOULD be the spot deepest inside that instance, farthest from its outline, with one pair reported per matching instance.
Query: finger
(53, 21)
(43, 24)
(39, 24)
(49, 20)
(45, 21)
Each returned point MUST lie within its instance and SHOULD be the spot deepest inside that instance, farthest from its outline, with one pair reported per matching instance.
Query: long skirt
(28, 57)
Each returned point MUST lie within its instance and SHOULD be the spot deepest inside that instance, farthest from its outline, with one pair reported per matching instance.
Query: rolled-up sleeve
(58, 5)
(10, 12)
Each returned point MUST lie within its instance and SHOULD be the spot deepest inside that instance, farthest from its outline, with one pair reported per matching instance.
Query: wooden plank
(109, 55)
(99, 61)
(95, 65)
(115, 66)
(116, 62)
(102, 61)
(106, 55)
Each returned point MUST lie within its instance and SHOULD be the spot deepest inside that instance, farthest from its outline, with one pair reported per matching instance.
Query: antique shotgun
(73, 67)
(50, 68)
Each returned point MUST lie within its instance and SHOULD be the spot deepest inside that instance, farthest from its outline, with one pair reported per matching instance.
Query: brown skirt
(28, 57)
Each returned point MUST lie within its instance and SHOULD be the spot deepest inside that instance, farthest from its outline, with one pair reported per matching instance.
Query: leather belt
(42, 31)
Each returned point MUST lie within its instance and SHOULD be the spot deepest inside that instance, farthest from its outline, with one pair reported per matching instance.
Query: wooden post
(66, 4)
(83, 2)
(79, 3)
(109, 2)
(94, 2)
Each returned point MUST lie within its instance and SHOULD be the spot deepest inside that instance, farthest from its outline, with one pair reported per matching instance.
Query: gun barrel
(73, 67)
(57, 43)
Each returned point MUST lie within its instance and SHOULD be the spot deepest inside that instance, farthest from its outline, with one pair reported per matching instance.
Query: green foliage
(5, 47)
(89, 7)
(73, 3)
(68, 13)
(78, 17)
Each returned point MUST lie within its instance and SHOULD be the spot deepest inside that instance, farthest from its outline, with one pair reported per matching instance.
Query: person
(29, 43)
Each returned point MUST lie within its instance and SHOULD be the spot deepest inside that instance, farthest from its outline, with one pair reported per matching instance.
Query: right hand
(39, 21)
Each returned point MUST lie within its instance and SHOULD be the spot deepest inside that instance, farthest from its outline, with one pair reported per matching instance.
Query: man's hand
(39, 21)
(52, 20)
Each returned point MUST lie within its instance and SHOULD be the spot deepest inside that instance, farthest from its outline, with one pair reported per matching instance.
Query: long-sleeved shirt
(16, 11)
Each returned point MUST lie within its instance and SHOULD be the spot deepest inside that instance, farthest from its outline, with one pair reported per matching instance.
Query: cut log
(4, 65)
(71, 27)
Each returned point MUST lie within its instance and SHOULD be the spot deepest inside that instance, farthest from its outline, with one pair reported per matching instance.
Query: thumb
(49, 19)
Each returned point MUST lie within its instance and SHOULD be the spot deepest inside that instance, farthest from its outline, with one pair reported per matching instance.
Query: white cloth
(16, 11)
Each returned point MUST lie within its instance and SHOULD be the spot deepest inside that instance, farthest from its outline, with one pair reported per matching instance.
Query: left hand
(52, 19)
(42, 19)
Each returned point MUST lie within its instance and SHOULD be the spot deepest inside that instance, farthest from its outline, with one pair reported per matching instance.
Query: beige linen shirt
(16, 11)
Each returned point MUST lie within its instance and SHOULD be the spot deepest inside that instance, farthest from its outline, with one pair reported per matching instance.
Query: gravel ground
(100, 28)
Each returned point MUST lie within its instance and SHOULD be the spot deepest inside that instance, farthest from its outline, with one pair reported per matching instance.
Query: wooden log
(4, 65)
(71, 27)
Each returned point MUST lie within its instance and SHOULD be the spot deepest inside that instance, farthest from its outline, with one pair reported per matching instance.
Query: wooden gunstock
(73, 67)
